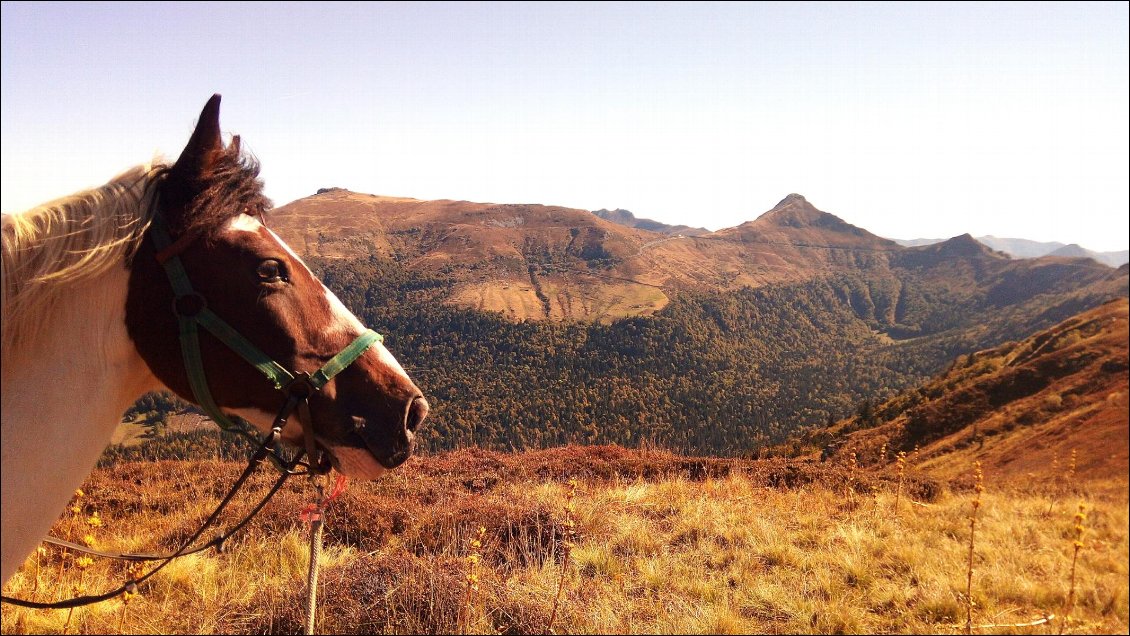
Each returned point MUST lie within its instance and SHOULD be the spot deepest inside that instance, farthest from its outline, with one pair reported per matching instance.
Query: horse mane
(53, 247)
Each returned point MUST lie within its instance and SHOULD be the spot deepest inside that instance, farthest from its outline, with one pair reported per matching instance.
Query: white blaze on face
(244, 223)
(345, 318)
(351, 461)
(344, 321)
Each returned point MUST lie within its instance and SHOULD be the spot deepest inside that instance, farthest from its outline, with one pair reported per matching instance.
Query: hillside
(1018, 408)
(546, 262)
(523, 261)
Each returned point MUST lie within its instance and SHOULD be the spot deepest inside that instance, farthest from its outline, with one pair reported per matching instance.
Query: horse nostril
(417, 411)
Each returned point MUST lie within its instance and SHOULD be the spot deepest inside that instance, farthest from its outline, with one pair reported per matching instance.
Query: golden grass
(672, 552)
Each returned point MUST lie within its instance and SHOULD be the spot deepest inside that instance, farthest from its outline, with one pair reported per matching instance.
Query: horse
(92, 311)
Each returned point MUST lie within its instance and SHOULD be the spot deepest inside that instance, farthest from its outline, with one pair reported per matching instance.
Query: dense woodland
(711, 374)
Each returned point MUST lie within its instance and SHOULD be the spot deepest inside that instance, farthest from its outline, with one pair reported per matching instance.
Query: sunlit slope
(554, 263)
(1019, 408)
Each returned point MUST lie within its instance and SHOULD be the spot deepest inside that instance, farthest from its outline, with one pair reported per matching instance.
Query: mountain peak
(1073, 250)
(794, 211)
(796, 221)
(792, 199)
(962, 246)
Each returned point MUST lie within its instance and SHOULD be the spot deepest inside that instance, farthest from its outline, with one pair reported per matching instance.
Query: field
(618, 541)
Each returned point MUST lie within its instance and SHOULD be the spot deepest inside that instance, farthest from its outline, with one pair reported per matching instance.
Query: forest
(711, 374)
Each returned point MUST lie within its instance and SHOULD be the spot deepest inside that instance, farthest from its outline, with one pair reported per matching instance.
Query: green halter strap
(192, 310)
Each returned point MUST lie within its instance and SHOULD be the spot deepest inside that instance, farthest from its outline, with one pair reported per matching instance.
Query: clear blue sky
(908, 119)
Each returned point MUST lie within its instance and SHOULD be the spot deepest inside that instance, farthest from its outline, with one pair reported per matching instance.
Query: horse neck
(61, 402)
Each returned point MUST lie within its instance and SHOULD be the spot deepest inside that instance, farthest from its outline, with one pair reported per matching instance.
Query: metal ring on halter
(301, 386)
(189, 312)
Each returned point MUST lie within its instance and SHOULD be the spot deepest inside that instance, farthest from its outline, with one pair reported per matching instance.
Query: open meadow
(604, 540)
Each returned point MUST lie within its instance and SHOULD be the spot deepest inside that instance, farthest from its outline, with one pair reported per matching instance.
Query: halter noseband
(192, 310)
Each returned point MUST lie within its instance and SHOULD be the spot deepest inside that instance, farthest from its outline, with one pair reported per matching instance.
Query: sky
(911, 120)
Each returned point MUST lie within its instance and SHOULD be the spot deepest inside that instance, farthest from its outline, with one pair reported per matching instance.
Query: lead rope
(317, 525)
(314, 514)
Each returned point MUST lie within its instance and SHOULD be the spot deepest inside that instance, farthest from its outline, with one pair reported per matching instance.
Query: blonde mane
(52, 248)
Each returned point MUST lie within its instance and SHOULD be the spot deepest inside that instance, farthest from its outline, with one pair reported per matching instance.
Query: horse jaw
(352, 462)
(61, 403)
(355, 462)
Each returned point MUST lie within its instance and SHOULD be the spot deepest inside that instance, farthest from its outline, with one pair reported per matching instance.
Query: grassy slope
(663, 544)
(1019, 408)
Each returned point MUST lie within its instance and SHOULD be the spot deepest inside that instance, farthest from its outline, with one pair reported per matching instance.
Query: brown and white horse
(89, 326)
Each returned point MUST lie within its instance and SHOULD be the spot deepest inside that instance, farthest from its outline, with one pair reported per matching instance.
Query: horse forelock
(230, 187)
(50, 248)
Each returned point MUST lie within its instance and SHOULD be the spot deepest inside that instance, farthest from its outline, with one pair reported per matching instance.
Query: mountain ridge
(627, 219)
(544, 262)
(1024, 248)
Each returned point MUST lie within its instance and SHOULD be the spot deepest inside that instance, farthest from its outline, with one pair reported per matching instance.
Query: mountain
(1023, 248)
(796, 222)
(1020, 248)
(524, 261)
(1074, 250)
(1114, 259)
(528, 261)
(540, 262)
(1017, 408)
(627, 219)
(532, 325)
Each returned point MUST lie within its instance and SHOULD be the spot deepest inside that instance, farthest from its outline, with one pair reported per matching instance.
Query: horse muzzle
(373, 447)
(393, 454)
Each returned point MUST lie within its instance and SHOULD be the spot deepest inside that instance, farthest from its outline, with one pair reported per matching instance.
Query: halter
(192, 311)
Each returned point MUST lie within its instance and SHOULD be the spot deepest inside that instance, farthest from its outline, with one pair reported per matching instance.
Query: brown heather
(900, 464)
(662, 544)
(1076, 545)
(978, 489)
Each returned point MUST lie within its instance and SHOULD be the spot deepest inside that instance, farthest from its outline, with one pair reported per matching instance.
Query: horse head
(210, 204)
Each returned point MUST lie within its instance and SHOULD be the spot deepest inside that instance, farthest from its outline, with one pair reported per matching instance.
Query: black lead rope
(265, 449)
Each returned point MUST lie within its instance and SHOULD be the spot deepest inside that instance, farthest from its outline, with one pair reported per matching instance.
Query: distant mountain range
(1023, 248)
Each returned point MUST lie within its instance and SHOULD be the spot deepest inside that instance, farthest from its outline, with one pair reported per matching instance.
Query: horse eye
(271, 271)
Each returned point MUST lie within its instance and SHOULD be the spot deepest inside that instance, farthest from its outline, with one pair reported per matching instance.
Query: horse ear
(197, 156)
(188, 174)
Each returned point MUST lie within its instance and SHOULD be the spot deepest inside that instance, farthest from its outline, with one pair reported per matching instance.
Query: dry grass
(662, 545)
